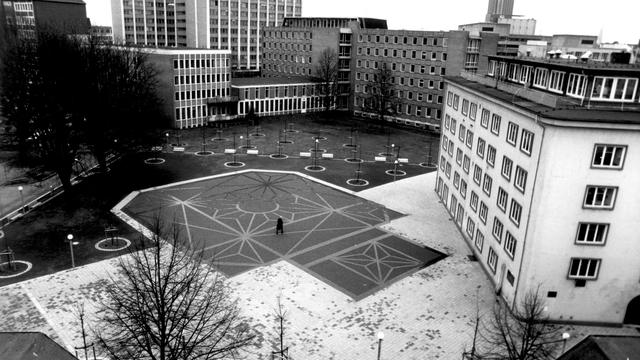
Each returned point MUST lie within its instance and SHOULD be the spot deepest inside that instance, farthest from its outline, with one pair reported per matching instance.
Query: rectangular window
(479, 241)
(540, 78)
(512, 133)
(515, 213)
(614, 89)
(495, 124)
(473, 201)
(462, 133)
(469, 139)
(577, 85)
(484, 211)
(449, 98)
(510, 243)
(480, 147)
(477, 174)
(484, 118)
(472, 111)
(586, 269)
(486, 187)
(447, 170)
(491, 155)
(600, 197)
(502, 200)
(463, 189)
(451, 147)
(525, 73)
(465, 107)
(507, 166)
(492, 260)
(442, 162)
(456, 100)
(498, 228)
(526, 142)
(520, 181)
(447, 120)
(608, 156)
(459, 156)
(456, 179)
(592, 234)
(453, 126)
(555, 81)
(466, 163)
(471, 227)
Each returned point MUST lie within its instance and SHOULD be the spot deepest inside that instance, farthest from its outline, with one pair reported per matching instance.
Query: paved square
(329, 233)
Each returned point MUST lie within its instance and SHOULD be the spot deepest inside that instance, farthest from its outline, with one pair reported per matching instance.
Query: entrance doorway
(632, 316)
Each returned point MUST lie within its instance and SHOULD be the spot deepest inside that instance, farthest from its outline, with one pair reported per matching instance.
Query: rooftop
(31, 345)
(546, 105)
(605, 347)
(261, 81)
(568, 63)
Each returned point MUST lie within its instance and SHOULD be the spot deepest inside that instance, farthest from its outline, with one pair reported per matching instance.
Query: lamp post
(315, 155)
(380, 338)
(398, 152)
(241, 137)
(167, 136)
(20, 188)
(565, 337)
(234, 147)
(71, 245)
(395, 169)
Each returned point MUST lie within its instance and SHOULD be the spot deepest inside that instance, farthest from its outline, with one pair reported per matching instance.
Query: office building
(499, 8)
(539, 169)
(195, 85)
(68, 16)
(103, 34)
(235, 25)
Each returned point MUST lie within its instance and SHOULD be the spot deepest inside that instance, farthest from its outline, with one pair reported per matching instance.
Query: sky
(618, 20)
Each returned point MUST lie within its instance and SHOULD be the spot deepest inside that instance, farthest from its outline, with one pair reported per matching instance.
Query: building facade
(520, 26)
(104, 34)
(418, 60)
(539, 171)
(270, 96)
(235, 25)
(196, 85)
(499, 8)
(68, 16)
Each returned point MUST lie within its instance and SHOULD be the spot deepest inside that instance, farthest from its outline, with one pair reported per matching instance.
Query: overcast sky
(619, 20)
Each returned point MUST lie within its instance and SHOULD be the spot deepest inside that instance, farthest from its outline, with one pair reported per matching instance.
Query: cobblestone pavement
(428, 315)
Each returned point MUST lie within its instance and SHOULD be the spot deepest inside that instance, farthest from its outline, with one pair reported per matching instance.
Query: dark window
(552, 294)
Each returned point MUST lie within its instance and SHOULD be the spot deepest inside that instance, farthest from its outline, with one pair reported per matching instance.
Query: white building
(540, 168)
(234, 25)
(519, 26)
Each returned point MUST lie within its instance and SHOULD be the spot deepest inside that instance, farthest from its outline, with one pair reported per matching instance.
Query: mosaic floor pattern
(329, 233)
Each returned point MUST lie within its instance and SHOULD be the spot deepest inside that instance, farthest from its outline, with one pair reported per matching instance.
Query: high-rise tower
(498, 8)
(234, 25)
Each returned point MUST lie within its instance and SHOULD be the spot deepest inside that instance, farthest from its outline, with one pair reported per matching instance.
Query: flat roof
(31, 345)
(568, 63)
(571, 113)
(262, 81)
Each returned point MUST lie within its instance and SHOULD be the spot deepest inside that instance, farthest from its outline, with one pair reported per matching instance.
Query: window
(512, 133)
(466, 163)
(469, 139)
(502, 200)
(449, 98)
(577, 85)
(526, 142)
(507, 166)
(484, 118)
(484, 210)
(473, 201)
(442, 161)
(463, 189)
(600, 197)
(471, 227)
(451, 147)
(608, 156)
(495, 124)
(462, 133)
(525, 73)
(491, 155)
(456, 100)
(479, 241)
(447, 120)
(614, 89)
(477, 174)
(555, 81)
(486, 187)
(472, 111)
(592, 234)
(459, 156)
(465, 107)
(540, 78)
(510, 243)
(520, 181)
(456, 179)
(497, 229)
(515, 213)
(447, 170)
(480, 147)
(453, 126)
(586, 269)
(492, 260)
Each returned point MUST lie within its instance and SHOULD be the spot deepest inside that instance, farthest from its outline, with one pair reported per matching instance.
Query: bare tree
(281, 316)
(522, 333)
(382, 99)
(326, 72)
(169, 304)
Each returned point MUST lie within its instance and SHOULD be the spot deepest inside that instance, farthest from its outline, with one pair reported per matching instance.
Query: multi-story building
(69, 16)
(295, 49)
(104, 34)
(270, 96)
(499, 8)
(418, 61)
(196, 85)
(519, 26)
(235, 25)
(539, 169)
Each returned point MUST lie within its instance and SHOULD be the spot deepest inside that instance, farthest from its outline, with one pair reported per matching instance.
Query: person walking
(279, 226)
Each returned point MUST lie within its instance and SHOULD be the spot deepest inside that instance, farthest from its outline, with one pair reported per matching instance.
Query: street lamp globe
(70, 237)
(565, 336)
(380, 335)
(20, 188)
